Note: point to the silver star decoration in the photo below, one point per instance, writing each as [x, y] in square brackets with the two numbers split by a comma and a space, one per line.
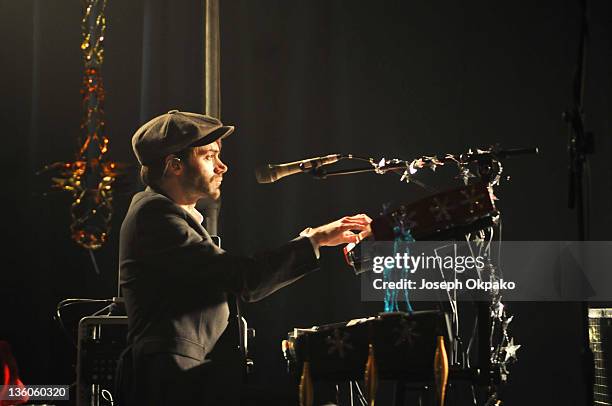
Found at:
[378, 165]
[492, 194]
[411, 170]
[380, 169]
[338, 343]
[407, 332]
[497, 310]
[511, 350]
[503, 373]
[432, 162]
[465, 174]
[507, 322]
[440, 210]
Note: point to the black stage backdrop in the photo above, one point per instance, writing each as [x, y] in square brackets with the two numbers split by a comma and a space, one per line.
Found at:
[301, 79]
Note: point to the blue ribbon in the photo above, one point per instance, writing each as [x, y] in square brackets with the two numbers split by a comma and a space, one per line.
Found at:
[391, 295]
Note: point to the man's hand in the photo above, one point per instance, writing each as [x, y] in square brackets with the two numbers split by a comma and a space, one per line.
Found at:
[340, 231]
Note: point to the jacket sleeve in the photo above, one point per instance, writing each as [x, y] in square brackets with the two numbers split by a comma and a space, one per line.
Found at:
[167, 243]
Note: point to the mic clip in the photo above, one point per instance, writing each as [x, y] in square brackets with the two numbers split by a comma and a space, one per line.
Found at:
[316, 170]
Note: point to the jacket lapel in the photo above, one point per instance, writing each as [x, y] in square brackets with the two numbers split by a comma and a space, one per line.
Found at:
[190, 220]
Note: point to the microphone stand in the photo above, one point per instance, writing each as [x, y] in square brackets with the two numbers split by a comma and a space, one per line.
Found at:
[320, 173]
[488, 168]
[581, 144]
[397, 165]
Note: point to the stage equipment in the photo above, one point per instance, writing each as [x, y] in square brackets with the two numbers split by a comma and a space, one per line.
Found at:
[448, 215]
[579, 146]
[467, 213]
[445, 215]
[90, 177]
[100, 342]
[398, 346]
[480, 163]
[600, 338]
[273, 172]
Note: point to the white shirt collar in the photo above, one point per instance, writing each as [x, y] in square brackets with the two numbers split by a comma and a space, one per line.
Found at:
[197, 216]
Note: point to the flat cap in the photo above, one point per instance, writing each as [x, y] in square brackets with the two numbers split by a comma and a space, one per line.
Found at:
[175, 131]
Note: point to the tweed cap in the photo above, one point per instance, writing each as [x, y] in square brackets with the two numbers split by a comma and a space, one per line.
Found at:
[175, 131]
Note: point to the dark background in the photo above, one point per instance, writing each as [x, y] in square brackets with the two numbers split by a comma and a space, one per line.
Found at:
[300, 79]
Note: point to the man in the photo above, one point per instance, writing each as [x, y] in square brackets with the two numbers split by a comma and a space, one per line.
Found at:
[176, 282]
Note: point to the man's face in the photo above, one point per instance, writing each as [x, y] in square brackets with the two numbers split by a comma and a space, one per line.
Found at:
[203, 172]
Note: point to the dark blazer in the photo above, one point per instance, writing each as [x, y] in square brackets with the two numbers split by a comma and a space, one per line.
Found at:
[175, 281]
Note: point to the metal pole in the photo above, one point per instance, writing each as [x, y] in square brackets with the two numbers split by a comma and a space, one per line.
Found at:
[212, 83]
[212, 92]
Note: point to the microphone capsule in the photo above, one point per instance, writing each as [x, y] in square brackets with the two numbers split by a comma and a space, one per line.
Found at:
[264, 174]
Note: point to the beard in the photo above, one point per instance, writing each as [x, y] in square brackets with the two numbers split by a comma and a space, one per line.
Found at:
[195, 183]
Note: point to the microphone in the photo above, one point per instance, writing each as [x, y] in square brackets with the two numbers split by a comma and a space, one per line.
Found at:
[273, 172]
